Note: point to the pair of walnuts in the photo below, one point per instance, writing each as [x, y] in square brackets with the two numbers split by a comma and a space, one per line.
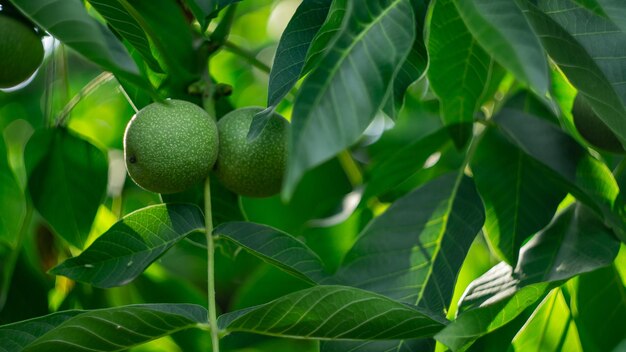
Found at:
[170, 146]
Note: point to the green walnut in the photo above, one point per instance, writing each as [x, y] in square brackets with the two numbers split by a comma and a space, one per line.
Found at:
[594, 130]
[170, 146]
[252, 169]
[21, 51]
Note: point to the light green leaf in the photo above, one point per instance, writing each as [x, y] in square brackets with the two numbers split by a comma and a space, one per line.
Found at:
[109, 329]
[413, 252]
[501, 29]
[132, 244]
[339, 99]
[551, 328]
[459, 69]
[333, 312]
[519, 194]
[591, 51]
[67, 180]
[68, 21]
[274, 247]
[576, 242]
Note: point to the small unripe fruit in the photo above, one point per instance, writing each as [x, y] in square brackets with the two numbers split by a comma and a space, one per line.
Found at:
[169, 147]
[21, 51]
[592, 128]
[253, 169]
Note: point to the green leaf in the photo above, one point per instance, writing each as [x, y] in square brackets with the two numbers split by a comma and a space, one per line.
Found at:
[205, 10]
[275, 247]
[339, 99]
[165, 24]
[404, 163]
[12, 200]
[575, 242]
[132, 244]
[591, 51]
[67, 181]
[116, 16]
[290, 55]
[413, 252]
[551, 328]
[501, 29]
[599, 300]
[69, 22]
[519, 194]
[109, 329]
[459, 70]
[585, 177]
[333, 312]
[413, 67]
[616, 11]
[336, 22]
[409, 345]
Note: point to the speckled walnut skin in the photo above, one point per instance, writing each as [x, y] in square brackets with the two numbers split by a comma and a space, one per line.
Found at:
[253, 169]
[169, 147]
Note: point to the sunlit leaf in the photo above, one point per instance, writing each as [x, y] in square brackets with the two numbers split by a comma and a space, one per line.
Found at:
[67, 180]
[275, 247]
[339, 99]
[333, 312]
[128, 247]
[109, 329]
[576, 242]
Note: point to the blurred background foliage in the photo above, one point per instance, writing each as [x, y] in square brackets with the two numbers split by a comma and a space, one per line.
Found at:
[325, 212]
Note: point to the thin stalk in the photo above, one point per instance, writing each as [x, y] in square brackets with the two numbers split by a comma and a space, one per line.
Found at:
[236, 49]
[208, 219]
[350, 168]
[84, 92]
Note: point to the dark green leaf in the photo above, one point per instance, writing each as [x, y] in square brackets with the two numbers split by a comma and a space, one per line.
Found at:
[115, 14]
[67, 180]
[276, 248]
[413, 252]
[501, 29]
[576, 242]
[205, 10]
[290, 55]
[519, 194]
[591, 51]
[68, 21]
[413, 67]
[411, 345]
[587, 178]
[333, 312]
[616, 11]
[599, 299]
[336, 21]
[12, 201]
[340, 98]
[110, 329]
[459, 70]
[128, 247]
[404, 163]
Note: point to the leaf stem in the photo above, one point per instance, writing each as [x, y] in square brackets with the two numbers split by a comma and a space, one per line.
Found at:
[84, 92]
[208, 219]
[350, 168]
